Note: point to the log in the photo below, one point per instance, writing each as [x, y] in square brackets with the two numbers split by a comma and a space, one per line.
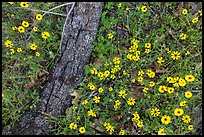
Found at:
[79, 33]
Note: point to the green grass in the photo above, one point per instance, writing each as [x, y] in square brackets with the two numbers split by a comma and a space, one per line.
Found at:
[161, 25]
[21, 82]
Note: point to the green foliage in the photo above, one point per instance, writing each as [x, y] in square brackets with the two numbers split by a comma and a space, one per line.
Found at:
[20, 83]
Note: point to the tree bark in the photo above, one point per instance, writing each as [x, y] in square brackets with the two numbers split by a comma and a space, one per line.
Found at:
[79, 33]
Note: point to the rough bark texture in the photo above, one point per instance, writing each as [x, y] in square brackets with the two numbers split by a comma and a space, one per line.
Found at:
[80, 31]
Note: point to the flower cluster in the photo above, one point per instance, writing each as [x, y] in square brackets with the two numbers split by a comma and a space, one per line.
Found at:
[108, 127]
[150, 73]
[117, 103]
[91, 86]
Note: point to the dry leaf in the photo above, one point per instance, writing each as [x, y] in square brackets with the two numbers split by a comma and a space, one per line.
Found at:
[158, 69]
[32, 82]
[76, 98]
[117, 117]
[94, 126]
[136, 91]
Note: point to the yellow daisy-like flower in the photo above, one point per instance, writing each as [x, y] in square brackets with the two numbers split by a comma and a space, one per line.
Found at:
[170, 90]
[183, 36]
[11, 3]
[96, 99]
[122, 93]
[25, 24]
[189, 78]
[24, 4]
[119, 5]
[155, 112]
[92, 87]
[152, 74]
[166, 119]
[8, 44]
[140, 124]
[82, 130]
[124, 72]
[151, 83]
[116, 60]
[39, 17]
[35, 29]
[147, 45]
[85, 102]
[175, 55]
[162, 89]
[37, 54]
[170, 79]
[145, 90]
[72, 125]
[106, 64]
[161, 131]
[21, 29]
[112, 76]
[182, 103]
[117, 103]
[182, 82]
[78, 118]
[131, 101]
[144, 8]
[140, 73]
[122, 132]
[45, 35]
[100, 90]
[107, 73]
[194, 20]
[12, 51]
[133, 80]
[178, 112]
[129, 56]
[160, 60]
[14, 28]
[2, 95]
[19, 50]
[135, 58]
[127, 9]
[33, 46]
[186, 119]
[94, 71]
[147, 51]
[187, 53]
[188, 94]
[140, 79]
[190, 127]
[100, 75]
[176, 79]
[91, 113]
[110, 89]
[200, 11]
[136, 117]
[110, 35]
[184, 11]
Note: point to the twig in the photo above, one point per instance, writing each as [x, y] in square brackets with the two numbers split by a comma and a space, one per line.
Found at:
[65, 25]
[43, 16]
[175, 38]
[41, 11]
[151, 9]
